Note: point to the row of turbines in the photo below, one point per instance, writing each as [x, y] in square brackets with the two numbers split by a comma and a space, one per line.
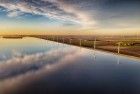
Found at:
[80, 44]
[56, 38]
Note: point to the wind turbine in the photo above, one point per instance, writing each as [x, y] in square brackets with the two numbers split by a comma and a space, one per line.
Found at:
[80, 42]
[119, 46]
[70, 41]
[95, 43]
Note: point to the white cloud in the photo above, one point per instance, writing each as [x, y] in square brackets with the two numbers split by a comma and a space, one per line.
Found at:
[14, 14]
[56, 9]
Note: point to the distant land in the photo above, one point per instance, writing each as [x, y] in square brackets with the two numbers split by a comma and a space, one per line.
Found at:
[127, 45]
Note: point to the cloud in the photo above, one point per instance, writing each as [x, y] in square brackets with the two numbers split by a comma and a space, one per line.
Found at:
[12, 14]
[86, 14]
[45, 8]
[56, 9]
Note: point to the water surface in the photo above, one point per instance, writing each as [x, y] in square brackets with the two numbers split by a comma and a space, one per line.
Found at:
[36, 66]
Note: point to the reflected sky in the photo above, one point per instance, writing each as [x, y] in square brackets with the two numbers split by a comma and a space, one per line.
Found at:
[35, 66]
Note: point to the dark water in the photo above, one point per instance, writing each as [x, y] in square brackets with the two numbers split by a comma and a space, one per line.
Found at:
[35, 66]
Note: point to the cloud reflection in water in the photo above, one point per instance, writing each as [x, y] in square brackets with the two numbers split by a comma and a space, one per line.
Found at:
[18, 72]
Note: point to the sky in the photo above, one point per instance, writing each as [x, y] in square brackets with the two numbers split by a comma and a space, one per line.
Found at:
[70, 17]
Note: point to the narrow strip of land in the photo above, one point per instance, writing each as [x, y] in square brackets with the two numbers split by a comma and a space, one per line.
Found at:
[129, 45]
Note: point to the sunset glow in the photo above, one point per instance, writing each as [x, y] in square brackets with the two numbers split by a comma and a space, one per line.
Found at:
[69, 17]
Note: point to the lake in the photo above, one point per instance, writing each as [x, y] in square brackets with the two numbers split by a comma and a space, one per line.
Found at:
[37, 66]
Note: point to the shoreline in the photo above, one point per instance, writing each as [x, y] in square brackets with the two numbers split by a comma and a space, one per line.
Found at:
[102, 50]
[92, 48]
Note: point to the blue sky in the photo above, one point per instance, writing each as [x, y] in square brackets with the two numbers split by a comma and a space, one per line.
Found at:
[81, 15]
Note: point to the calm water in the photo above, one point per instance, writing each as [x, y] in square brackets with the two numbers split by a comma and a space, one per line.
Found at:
[35, 66]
